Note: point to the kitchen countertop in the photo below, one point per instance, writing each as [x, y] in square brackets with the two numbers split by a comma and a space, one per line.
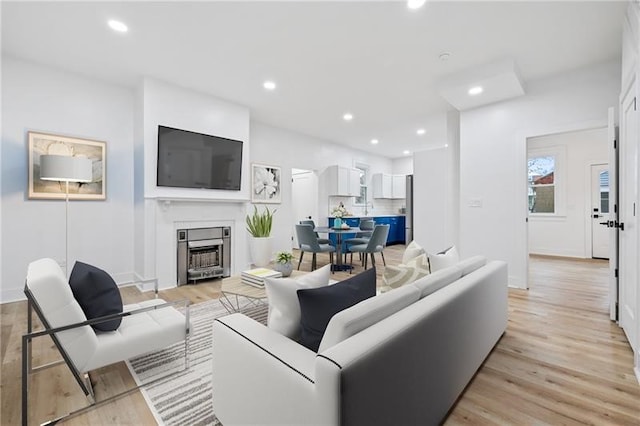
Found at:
[370, 215]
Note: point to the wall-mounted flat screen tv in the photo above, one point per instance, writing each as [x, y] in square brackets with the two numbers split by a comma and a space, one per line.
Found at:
[195, 160]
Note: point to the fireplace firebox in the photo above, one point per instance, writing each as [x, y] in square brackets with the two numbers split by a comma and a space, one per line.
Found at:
[203, 253]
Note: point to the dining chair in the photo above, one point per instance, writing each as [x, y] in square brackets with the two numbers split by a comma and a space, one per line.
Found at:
[309, 243]
[366, 226]
[375, 245]
[313, 226]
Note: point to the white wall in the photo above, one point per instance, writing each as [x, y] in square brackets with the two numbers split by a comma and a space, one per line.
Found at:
[43, 99]
[436, 191]
[289, 150]
[569, 233]
[402, 166]
[493, 157]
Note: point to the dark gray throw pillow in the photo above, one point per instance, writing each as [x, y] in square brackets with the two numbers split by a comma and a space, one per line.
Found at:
[97, 294]
[319, 305]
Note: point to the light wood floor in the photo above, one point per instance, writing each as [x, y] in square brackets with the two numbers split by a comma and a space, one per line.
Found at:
[561, 360]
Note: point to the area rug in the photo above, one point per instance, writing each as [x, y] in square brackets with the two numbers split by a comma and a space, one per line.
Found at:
[185, 398]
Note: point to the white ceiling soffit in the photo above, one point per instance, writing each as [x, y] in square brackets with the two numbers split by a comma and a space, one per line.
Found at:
[499, 81]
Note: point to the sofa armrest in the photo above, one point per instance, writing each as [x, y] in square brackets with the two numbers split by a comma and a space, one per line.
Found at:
[262, 377]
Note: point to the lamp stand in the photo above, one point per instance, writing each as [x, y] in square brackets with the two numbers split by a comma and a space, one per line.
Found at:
[66, 231]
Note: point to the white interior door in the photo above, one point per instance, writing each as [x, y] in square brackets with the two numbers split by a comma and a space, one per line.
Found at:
[613, 145]
[600, 211]
[304, 199]
[628, 191]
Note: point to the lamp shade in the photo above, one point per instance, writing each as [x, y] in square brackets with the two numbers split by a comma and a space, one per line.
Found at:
[65, 168]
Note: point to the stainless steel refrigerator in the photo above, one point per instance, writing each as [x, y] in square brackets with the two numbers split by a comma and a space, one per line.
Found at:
[408, 231]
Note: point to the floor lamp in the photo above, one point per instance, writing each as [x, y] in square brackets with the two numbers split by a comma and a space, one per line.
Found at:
[64, 168]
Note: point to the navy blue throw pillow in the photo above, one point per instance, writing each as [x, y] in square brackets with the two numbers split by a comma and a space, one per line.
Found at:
[97, 294]
[319, 305]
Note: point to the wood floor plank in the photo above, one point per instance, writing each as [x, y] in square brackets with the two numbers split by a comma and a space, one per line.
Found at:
[561, 361]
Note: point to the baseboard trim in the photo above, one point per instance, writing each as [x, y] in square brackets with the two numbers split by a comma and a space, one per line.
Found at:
[12, 295]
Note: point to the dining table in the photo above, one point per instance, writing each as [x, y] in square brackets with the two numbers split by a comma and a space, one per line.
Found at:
[338, 265]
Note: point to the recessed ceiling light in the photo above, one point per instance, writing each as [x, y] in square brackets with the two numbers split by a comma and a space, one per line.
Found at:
[446, 145]
[406, 152]
[444, 56]
[117, 26]
[374, 141]
[475, 90]
[348, 116]
[415, 4]
[269, 85]
[421, 131]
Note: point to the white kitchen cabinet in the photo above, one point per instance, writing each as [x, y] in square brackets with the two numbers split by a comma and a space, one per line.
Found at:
[388, 186]
[342, 181]
[398, 186]
[382, 185]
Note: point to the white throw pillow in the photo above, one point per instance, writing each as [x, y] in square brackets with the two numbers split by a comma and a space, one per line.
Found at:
[443, 260]
[397, 276]
[284, 307]
[412, 251]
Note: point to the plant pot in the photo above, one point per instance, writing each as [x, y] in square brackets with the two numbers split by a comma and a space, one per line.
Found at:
[285, 268]
[261, 252]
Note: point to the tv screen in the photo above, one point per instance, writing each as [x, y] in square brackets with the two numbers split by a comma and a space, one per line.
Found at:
[194, 160]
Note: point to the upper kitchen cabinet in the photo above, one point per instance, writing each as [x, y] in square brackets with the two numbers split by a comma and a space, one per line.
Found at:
[342, 181]
[388, 186]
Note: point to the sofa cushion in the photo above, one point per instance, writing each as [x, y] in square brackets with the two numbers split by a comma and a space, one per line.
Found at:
[412, 251]
[284, 308]
[97, 294]
[444, 259]
[397, 276]
[353, 320]
[471, 264]
[436, 280]
[319, 305]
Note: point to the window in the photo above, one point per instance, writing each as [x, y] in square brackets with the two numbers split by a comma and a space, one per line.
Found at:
[604, 192]
[542, 184]
[364, 174]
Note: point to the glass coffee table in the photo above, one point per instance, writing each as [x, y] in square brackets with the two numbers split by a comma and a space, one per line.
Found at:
[237, 295]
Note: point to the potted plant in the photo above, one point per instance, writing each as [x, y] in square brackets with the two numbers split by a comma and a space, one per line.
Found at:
[259, 226]
[283, 263]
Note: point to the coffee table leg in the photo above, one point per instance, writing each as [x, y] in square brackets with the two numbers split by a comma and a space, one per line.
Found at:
[232, 303]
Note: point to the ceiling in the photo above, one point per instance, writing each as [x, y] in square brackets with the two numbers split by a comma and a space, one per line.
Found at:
[377, 60]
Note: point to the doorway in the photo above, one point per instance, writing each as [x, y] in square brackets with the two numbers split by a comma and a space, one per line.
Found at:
[304, 198]
[600, 211]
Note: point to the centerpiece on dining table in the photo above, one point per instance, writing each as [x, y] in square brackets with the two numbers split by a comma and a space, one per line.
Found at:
[338, 213]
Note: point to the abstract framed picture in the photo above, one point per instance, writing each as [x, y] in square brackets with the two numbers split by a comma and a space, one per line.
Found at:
[49, 144]
[266, 184]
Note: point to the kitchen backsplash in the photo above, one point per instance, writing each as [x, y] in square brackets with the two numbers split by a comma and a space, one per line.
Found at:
[376, 207]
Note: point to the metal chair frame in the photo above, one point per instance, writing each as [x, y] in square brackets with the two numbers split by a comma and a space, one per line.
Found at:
[82, 379]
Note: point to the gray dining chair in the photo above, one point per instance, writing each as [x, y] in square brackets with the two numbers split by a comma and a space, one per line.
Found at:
[375, 245]
[309, 243]
[366, 226]
[313, 226]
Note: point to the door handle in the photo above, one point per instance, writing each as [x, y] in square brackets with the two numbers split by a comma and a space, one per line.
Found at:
[605, 223]
[595, 216]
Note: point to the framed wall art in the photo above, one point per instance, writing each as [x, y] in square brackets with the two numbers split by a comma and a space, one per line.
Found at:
[266, 184]
[49, 144]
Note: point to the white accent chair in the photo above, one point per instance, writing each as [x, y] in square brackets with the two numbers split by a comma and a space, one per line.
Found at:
[148, 326]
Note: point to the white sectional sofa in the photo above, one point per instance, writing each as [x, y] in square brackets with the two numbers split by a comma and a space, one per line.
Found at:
[402, 357]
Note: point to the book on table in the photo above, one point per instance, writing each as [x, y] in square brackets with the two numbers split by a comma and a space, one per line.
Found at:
[255, 277]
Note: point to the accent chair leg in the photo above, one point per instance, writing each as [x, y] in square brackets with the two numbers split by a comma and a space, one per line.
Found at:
[366, 258]
[313, 262]
[373, 260]
[384, 262]
[300, 261]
